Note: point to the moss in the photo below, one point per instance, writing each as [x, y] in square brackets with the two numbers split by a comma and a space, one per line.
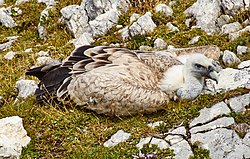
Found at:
[199, 153]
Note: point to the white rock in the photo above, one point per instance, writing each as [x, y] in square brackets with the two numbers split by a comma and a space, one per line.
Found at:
[118, 26]
[13, 137]
[43, 53]
[163, 8]
[47, 2]
[222, 143]
[156, 124]
[244, 64]
[10, 55]
[159, 44]
[26, 88]
[1, 2]
[246, 23]
[188, 22]
[239, 103]
[222, 20]
[229, 58]
[103, 22]
[6, 19]
[45, 60]
[246, 139]
[172, 3]
[21, 1]
[84, 39]
[230, 79]
[118, 137]
[235, 35]
[124, 33]
[194, 40]
[241, 49]
[172, 27]
[160, 143]
[182, 150]
[16, 10]
[231, 28]
[134, 17]
[145, 48]
[42, 32]
[205, 12]
[8, 44]
[143, 25]
[219, 123]
[176, 135]
[28, 50]
[207, 114]
[232, 7]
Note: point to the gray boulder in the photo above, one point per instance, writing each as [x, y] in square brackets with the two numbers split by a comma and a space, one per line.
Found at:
[118, 137]
[134, 17]
[163, 8]
[238, 104]
[171, 27]
[8, 44]
[194, 40]
[205, 12]
[232, 7]
[242, 49]
[25, 88]
[231, 28]
[229, 58]
[222, 20]
[10, 55]
[5, 19]
[13, 137]
[235, 35]
[159, 44]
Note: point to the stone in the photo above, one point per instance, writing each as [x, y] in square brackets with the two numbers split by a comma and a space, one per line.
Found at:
[159, 44]
[10, 55]
[219, 123]
[172, 3]
[207, 114]
[246, 139]
[28, 50]
[143, 25]
[188, 22]
[76, 19]
[182, 150]
[242, 49]
[145, 48]
[13, 137]
[222, 143]
[1, 2]
[6, 20]
[156, 124]
[118, 26]
[134, 17]
[232, 7]
[194, 40]
[104, 22]
[222, 20]
[8, 44]
[47, 2]
[118, 137]
[176, 135]
[84, 39]
[210, 51]
[16, 11]
[26, 88]
[246, 23]
[205, 18]
[238, 104]
[45, 61]
[229, 58]
[231, 28]
[235, 35]
[163, 8]
[160, 143]
[124, 33]
[244, 64]
[42, 31]
[230, 79]
[172, 27]
[18, 2]
[43, 53]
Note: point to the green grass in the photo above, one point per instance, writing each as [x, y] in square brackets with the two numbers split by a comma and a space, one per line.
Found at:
[70, 132]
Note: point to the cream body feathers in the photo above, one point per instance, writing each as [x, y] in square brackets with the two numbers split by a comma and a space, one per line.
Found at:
[117, 81]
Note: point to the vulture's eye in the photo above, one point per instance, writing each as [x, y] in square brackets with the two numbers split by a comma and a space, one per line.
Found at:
[198, 66]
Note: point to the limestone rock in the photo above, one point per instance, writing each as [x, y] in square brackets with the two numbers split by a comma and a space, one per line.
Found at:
[134, 17]
[6, 20]
[145, 48]
[45, 60]
[118, 137]
[207, 114]
[235, 35]
[222, 20]
[222, 143]
[229, 58]
[143, 25]
[84, 39]
[13, 137]
[177, 135]
[230, 28]
[156, 124]
[230, 79]
[43, 53]
[172, 27]
[42, 31]
[163, 8]
[124, 33]
[182, 150]
[194, 40]
[219, 123]
[8, 44]
[18, 2]
[10, 55]
[159, 44]
[1, 2]
[244, 64]
[242, 49]
[232, 7]
[160, 143]
[26, 88]
[47, 2]
[239, 103]
[206, 18]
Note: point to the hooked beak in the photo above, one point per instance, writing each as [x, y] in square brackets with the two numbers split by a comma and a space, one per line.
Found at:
[214, 76]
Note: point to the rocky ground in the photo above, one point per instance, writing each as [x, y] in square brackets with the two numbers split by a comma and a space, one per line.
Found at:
[37, 32]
